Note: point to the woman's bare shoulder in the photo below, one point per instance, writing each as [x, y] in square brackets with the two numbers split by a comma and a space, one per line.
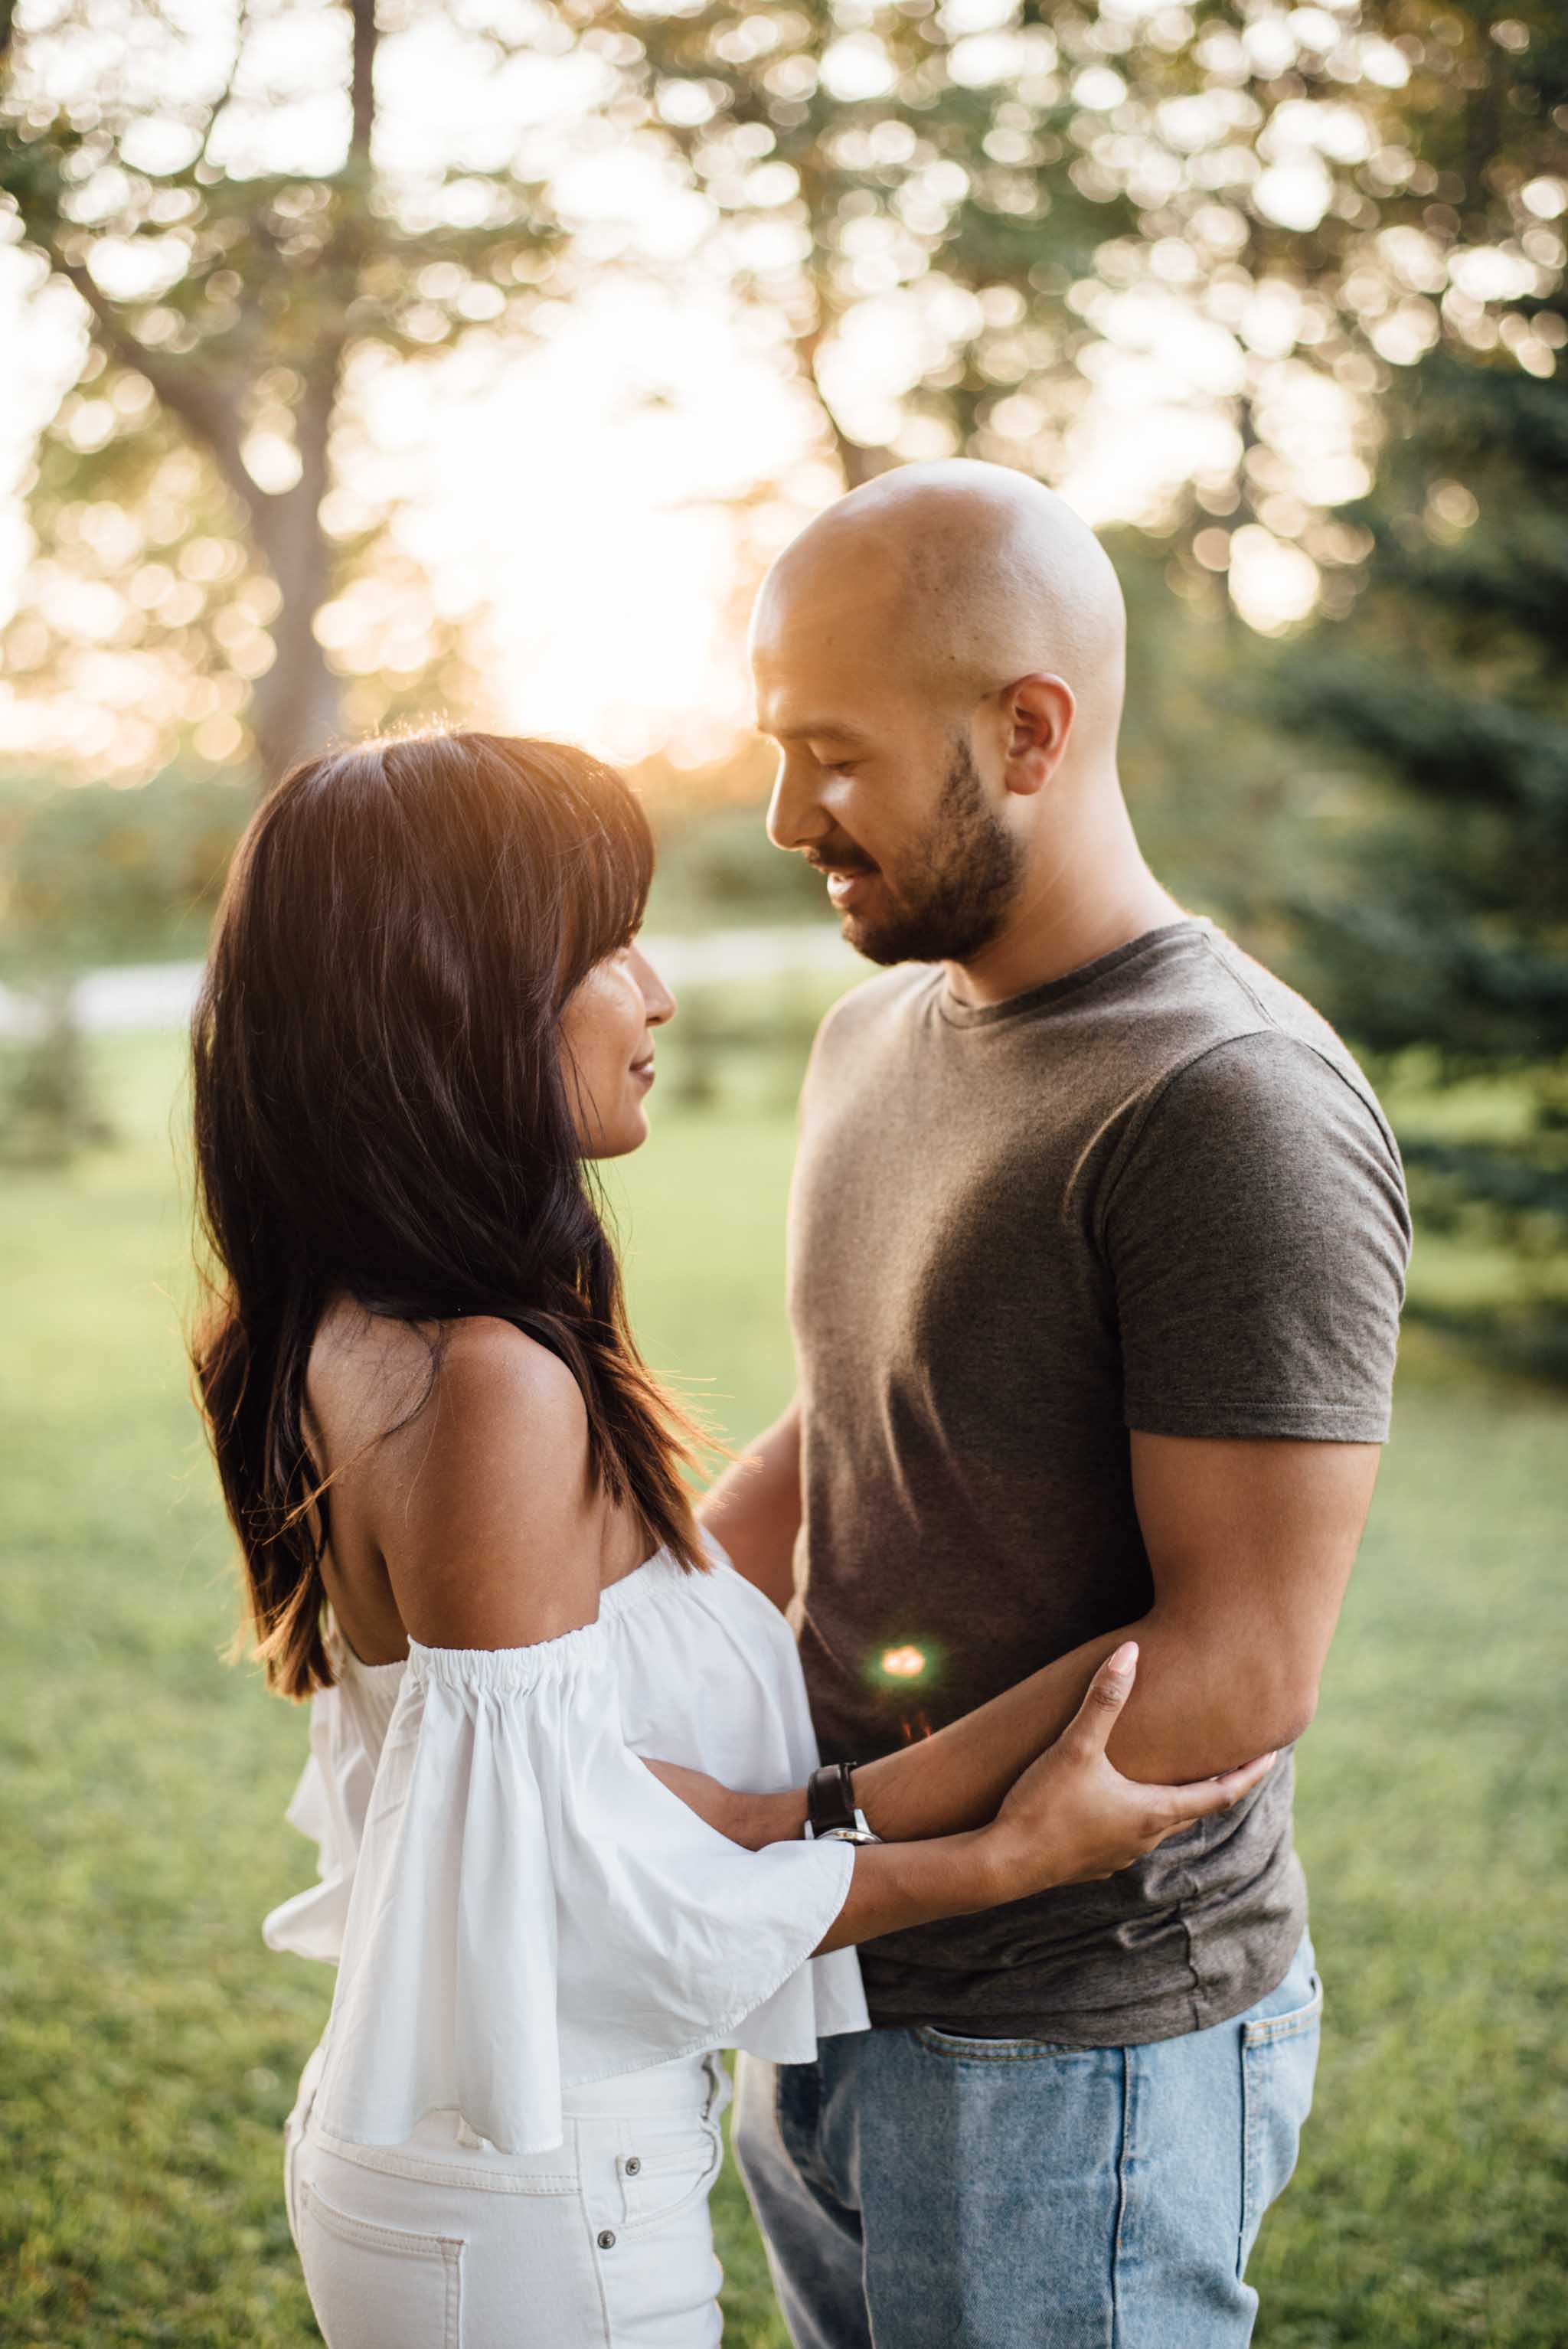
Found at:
[484, 1507]
[365, 1365]
[492, 1367]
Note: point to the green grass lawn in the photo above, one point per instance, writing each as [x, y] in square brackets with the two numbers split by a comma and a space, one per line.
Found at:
[151, 2043]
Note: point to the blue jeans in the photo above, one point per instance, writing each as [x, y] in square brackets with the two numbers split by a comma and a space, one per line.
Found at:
[917, 2190]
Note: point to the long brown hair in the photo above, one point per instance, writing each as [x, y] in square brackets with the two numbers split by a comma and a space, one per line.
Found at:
[380, 1109]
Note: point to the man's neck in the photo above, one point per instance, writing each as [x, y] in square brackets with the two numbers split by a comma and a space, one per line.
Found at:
[1102, 897]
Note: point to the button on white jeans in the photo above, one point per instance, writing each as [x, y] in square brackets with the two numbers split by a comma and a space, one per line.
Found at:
[444, 2243]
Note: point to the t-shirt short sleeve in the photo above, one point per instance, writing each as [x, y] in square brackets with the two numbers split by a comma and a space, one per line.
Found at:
[1257, 1234]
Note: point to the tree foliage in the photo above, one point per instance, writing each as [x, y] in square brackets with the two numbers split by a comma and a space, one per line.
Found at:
[198, 501]
[1442, 922]
[1434, 922]
[1002, 230]
[985, 226]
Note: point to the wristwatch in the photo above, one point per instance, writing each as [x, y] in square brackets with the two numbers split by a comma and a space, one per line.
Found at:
[833, 1815]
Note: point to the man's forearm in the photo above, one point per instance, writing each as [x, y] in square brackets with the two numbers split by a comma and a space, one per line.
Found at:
[754, 1510]
[1208, 1698]
[956, 1779]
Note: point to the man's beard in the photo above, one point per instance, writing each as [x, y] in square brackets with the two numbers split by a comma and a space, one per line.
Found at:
[970, 866]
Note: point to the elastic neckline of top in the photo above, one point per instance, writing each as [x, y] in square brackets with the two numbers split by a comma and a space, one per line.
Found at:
[519, 1667]
[353, 1666]
[1044, 997]
[361, 1671]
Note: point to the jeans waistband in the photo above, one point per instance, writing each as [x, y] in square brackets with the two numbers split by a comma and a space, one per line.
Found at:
[696, 2084]
[692, 2087]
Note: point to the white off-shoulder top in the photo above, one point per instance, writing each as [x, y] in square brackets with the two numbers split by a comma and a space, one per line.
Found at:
[517, 1905]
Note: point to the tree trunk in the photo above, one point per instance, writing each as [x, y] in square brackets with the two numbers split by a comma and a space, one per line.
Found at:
[857, 463]
[296, 709]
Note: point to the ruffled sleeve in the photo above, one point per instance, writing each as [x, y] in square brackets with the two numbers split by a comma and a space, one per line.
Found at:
[329, 1806]
[533, 1909]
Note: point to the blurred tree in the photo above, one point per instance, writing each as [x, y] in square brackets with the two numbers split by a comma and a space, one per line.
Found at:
[91, 873]
[212, 186]
[880, 191]
[1201, 243]
[1184, 252]
[1435, 917]
[87, 874]
[1443, 921]
[1217, 791]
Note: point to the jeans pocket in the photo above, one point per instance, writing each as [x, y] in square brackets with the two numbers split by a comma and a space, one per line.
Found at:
[960, 2048]
[662, 2176]
[375, 2287]
[1279, 2063]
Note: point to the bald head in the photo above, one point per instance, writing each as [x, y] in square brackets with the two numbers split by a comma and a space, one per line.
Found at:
[940, 660]
[960, 577]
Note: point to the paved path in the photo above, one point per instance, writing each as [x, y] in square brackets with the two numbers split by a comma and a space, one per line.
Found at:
[160, 995]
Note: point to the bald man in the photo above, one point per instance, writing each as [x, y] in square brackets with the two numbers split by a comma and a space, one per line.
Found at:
[1096, 1256]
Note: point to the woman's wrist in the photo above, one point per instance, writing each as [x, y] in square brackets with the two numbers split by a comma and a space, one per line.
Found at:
[1012, 1865]
[996, 1862]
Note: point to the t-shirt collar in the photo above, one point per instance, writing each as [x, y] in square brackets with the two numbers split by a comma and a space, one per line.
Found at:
[958, 1014]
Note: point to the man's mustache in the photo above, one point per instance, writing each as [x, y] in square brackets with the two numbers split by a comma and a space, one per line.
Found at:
[834, 859]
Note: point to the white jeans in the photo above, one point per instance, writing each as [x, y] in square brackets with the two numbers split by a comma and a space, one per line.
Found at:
[442, 2243]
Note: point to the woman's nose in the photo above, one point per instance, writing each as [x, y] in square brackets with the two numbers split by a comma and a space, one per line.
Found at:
[659, 1002]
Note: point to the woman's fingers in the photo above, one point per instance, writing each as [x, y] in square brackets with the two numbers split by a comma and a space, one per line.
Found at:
[1096, 1716]
[1211, 1794]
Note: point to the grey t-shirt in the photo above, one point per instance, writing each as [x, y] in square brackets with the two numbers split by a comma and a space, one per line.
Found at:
[1157, 1193]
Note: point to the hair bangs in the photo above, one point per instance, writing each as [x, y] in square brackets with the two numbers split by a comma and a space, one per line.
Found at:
[602, 840]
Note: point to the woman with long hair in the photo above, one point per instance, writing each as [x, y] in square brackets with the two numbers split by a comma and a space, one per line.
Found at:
[558, 1746]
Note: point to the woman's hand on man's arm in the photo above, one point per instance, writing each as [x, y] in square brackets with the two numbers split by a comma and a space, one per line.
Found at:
[1071, 1818]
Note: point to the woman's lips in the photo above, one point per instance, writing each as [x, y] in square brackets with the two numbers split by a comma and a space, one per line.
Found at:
[643, 1070]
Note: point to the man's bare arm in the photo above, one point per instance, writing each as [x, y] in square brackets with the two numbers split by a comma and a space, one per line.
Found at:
[754, 1510]
[1251, 1545]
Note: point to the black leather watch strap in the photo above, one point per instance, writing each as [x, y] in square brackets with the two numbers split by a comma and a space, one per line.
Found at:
[831, 1797]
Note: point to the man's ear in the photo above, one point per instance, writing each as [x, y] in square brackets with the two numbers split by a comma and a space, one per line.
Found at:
[1038, 713]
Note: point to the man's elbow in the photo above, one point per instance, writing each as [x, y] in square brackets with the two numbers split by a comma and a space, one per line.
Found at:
[1287, 1723]
[1210, 1698]
[1259, 1706]
[1270, 1710]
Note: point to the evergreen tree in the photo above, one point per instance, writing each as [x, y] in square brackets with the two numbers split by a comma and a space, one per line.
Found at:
[1443, 921]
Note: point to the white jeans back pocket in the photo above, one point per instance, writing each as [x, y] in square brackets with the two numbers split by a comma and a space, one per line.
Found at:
[376, 2287]
[1279, 2063]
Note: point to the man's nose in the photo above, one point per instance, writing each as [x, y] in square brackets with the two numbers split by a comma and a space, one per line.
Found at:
[795, 818]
